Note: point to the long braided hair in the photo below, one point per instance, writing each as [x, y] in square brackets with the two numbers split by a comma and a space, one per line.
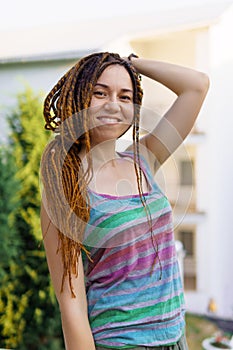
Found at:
[64, 180]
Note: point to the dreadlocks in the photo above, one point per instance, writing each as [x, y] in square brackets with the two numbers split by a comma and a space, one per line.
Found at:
[64, 180]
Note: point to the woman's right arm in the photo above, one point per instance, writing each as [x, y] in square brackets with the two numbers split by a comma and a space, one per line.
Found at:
[74, 316]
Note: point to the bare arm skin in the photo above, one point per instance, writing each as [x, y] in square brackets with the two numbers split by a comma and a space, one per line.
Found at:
[191, 87]
[75, 323]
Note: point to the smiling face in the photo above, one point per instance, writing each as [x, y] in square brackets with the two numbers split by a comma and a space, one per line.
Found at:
[111, 108]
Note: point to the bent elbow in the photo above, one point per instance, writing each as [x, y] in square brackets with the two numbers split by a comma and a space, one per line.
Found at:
[204, 83]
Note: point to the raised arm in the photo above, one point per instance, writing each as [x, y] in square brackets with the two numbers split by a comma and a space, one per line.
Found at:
[191, 87]
[75, 324]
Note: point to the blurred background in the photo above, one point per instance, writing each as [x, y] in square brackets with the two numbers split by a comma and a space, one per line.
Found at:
[40, 41]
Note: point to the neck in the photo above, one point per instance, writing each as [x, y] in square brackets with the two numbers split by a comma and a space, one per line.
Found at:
[104, 152]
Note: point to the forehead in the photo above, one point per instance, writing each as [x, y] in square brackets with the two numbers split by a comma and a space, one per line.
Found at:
[115, 74]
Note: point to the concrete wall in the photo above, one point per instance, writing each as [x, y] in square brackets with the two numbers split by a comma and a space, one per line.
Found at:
[40, 76]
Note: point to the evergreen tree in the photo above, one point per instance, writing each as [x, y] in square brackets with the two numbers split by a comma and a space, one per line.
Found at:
[10, 316]
[8, 188]
[29, 315]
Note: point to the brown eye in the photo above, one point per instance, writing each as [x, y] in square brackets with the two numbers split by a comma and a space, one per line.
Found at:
[99, 93]
[126, 97]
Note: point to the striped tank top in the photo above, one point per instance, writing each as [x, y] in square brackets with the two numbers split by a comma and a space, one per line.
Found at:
[133, 286]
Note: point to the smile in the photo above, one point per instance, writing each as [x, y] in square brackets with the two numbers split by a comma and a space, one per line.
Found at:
[109, 120]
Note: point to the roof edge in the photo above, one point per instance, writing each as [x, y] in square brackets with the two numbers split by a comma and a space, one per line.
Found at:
[46, 57]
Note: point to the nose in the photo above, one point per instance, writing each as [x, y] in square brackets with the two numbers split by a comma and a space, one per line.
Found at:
[112, 106]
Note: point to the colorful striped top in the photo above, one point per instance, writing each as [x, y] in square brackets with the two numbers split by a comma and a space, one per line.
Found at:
[134, 297]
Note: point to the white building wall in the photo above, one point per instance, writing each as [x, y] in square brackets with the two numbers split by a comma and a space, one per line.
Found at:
[197, 300]
[221, 164]
[41, 77]
[215, 170]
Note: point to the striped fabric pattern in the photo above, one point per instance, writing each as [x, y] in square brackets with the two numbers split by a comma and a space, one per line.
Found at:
[134, 297]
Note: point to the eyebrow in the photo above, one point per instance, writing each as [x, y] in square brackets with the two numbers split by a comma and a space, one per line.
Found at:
[107, 87]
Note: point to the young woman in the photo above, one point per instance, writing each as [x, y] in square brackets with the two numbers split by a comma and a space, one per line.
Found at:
[124, 290]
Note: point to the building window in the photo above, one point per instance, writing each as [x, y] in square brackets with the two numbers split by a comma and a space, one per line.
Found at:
[190, 282]
[186, 173]
[187, 237]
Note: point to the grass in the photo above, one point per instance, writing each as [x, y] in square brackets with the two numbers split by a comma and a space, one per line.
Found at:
[197, 329]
